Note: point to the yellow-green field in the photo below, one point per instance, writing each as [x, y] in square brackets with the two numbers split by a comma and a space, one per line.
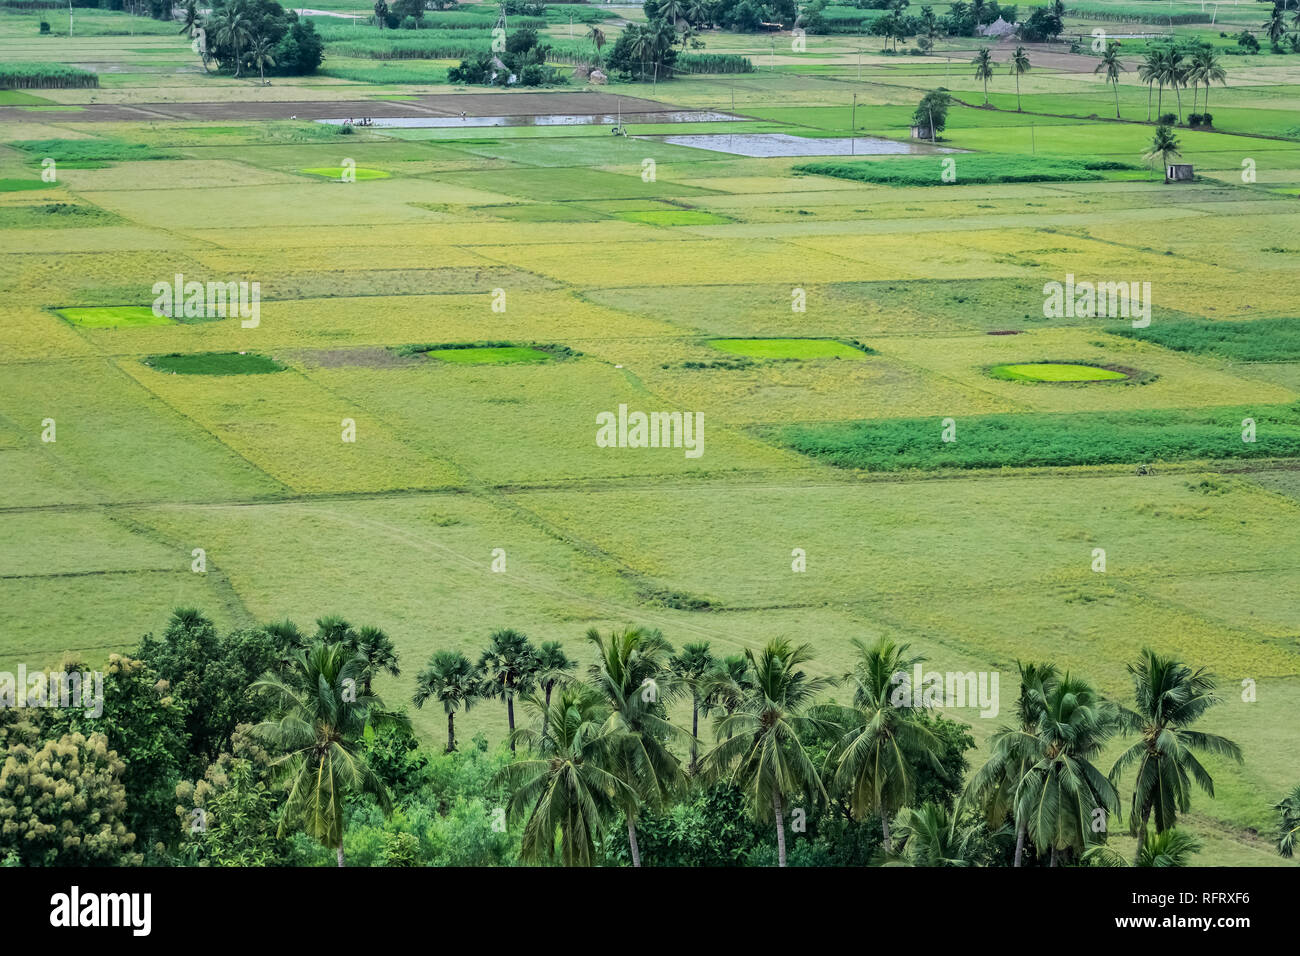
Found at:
[736, 287]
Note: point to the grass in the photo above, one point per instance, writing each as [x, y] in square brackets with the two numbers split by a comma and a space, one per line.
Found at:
[21, 185]
[88, 153]
[215, 363]
[1258, 340]
[1041, 440]
[336, 173]
[1055, 372]
[113, 316]
[790, 348]
[489, 356]
[969, 170]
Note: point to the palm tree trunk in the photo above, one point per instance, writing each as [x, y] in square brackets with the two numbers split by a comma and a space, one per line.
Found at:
[1020, 844]
[1148, 100]
[510, 718]
[780, 829]
[1142, 834]
[1116, 85]
[451, 732]
[1053, 863]
[695, 732]
[1179, 94]
[1160, 100]
[631, 842]
[884, 829]
[1018, 109]
[986, 91]
[546, 711]
[339, 851]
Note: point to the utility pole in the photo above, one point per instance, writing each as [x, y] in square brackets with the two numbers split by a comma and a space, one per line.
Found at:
[69, 19]
[853, 130]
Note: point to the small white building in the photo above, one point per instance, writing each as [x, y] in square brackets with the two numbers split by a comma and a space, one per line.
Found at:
[1179, 173]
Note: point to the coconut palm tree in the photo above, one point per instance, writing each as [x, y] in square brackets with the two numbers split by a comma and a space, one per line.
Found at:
[759, 747]
[379, 652]
[631, 675]
[1110, 62]
[318, 739]
[1149, 73]
[1163, 146]
[697, 11]
[1209, 69]
[263, 55]
[1275, 25]
[553, 668]
[726, 685]
[1062, 793]
[1171, 848]
[672, 11]
[883, 744]
[234, 30]
[563, 789]
[1019, 65]
[1013, 750]
[1176, 74]
[1169, 696]
[509, 669]
[1288, 831]
[451, 678]
[930, 835]
[692, 668]
[597, 37]
[984, 70]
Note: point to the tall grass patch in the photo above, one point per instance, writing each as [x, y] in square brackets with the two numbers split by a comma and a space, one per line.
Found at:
[1257, 340]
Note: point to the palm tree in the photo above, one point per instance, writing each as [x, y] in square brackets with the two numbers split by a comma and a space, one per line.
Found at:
[288, 641]
[1172, 848]
[263, 54]
[1019, 64]
[930, 835]
[1275, 25]
[726, 685]
[1062, 790]
[1176, 75]
[877, 758]
[632, 677]
[1013, 750]
[1148, 73]
[597, 37]
[1209, 69]
[319, 740]
[671, 11]
[692, 668]
[379, 652]
[1170, 696]
[1163, 145]
[759, 748]
[509, 668]
[984, 70]
[640, 44]
[451, 678]
[1288, 831]
[553, 668]
[1110, 62]
[697, 11]
[234, 29]
[564, 789]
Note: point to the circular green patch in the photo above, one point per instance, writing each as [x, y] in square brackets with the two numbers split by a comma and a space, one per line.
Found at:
[336, 173]
[1057, 372]
[215, 363]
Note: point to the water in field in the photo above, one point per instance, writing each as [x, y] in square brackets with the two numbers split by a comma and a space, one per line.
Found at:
[545, 119]
[783, 144]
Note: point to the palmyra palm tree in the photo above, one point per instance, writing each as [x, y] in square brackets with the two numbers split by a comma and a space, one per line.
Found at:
[319, 740]
[376, 648]
[1171, 848]
[553, 668]
[1062, 793]
[451, 678]
[876, 759]
[1149, 73]
[984, 70]
[1013, 750]
[1170, 696]
[563, 788]
[1288, 831]
[692, 668]
[263, 55]
[509, 668]
[1110, 62]
[1164, 145]
[759, 746]
[1019, 65]
[631, 675]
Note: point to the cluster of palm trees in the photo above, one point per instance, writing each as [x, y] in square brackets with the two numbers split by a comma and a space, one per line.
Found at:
[983, 64]
[1275, 26]
[1170, 65]
[605, 747]
[230, 26]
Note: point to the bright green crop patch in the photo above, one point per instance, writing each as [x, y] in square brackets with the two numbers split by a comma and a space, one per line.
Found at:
[790, 348]
[336, 172]
[18, 185]
[215, 363]
[490, 355]
[113, 316]
[1258, 340]
[968, 170]
[88, 153]
[1040, 440]
[1055, 372]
